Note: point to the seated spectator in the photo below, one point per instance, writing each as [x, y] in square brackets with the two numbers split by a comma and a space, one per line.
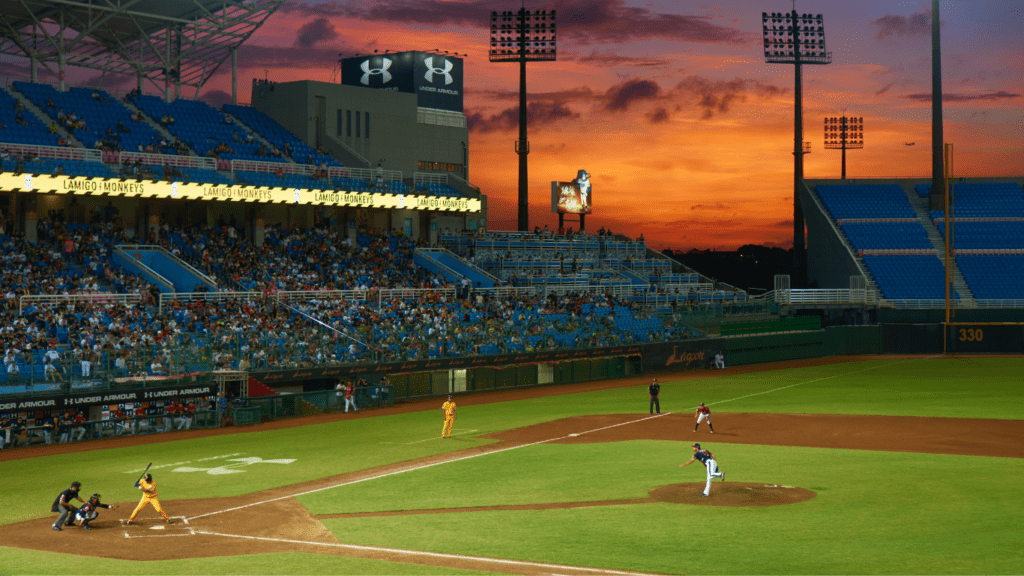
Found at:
[51, 373]
[96, 96]
[136, 116]
[59, 170]
[49, 103]
[21, 119]
[157, 368]
[121, 127]
[52, 128]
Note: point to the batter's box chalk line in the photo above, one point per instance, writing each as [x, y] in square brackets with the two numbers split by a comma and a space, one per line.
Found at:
[179, 528]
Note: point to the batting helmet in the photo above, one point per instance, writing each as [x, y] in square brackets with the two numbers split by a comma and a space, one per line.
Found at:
[95, 497]
[149, 477]
[695, 445]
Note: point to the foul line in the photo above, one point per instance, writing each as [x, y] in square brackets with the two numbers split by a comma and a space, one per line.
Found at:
[421, 553]
[823, 379]
[421, 467]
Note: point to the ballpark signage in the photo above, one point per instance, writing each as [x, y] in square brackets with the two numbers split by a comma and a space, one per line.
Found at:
[106, 397]
[687, 355]
[44, 183]
[435, 79]
[572, 197]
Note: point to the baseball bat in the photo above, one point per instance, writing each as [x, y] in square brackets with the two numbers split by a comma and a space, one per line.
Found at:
[144, 472]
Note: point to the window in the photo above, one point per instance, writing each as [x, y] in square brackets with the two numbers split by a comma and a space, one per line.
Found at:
[357, 124]
[348, 123]
[339, 131]
[366, 125]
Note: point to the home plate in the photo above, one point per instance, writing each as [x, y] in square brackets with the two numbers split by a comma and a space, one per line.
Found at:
[157, 527]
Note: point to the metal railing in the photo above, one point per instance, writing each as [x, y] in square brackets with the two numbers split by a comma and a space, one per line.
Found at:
[163, 160]
[89, 298]
[822, 296]
[52, 152]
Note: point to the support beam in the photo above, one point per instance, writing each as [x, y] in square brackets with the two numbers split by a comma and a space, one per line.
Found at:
[234, 76]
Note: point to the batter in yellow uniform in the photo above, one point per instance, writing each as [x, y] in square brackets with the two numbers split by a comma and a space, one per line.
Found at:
[448, 409]
[148, 487]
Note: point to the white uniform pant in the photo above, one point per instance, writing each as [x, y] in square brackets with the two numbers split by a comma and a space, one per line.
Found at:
[184, 423]
[702, 417]
[351, 401]
[713, 472]
[81, 432]
[82, 517]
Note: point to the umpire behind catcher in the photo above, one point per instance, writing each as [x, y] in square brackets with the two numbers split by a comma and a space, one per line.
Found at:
[63, 505]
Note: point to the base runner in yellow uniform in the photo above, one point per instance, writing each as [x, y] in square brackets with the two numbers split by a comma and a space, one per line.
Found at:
[448, 409]
[148, 487]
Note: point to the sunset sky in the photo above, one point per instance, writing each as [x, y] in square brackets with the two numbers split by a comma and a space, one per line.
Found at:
[687, 133]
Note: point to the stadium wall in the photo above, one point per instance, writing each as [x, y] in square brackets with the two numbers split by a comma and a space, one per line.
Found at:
[396, 139]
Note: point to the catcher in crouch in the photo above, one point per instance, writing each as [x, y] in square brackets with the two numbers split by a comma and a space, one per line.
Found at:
[148, 487]
[87, 513]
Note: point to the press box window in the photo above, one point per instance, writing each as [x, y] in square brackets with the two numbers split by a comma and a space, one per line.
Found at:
[366, 124]
[357, 124]
[348, 123]
[340, 129]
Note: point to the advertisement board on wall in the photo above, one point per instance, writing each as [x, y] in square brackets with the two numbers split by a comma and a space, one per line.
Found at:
[114, 187]
[436, 79]
[573, 197]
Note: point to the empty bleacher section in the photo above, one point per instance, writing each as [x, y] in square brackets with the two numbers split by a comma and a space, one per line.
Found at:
[988, 232]
[278, 136]
[884, 231]
[204, 129]
[106, 120]
[21, 126]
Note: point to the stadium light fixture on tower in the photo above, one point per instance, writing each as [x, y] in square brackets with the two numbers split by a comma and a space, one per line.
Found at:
[792, 38]
[523, 36]
[842, 133]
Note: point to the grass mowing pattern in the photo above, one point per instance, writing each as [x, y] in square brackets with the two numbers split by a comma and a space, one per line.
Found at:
[876, 512]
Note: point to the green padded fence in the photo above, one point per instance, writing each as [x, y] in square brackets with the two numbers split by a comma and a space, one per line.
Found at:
[790, 324]
[247, 416]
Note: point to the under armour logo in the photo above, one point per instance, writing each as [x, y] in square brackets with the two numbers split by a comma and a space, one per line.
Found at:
[174, 190]
[385, 76]
[28, 183]
[431, 70]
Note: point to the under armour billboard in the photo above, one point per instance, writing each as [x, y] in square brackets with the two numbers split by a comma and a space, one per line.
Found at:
[572, 197]
[436, 80]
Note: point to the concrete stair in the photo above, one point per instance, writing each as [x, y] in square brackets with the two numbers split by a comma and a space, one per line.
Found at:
[256, 135]
[920, 206]
[43, 116]
[156, 126]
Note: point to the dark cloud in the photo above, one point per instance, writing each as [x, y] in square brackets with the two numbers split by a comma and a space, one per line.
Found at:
[538, 114]
[718, 96]
[581, 21]
[618, 98]
[314, 32]
[717, 206]
[580, 93]
[884, 89]
[918, 23]
[947, 97]
[658, 116]
[607, 59]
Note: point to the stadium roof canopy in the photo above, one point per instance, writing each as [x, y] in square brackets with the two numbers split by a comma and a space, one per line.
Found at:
[173, 40]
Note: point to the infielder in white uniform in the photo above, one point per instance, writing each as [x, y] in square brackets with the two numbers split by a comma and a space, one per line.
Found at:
[708, 460]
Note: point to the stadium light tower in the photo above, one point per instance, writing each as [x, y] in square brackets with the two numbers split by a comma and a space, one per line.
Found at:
[523, 36]
[842, 133]
[797, 39]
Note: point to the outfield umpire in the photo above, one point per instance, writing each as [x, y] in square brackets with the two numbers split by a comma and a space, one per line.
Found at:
[654, 389]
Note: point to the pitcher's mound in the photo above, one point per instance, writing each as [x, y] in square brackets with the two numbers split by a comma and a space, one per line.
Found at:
[732, 494]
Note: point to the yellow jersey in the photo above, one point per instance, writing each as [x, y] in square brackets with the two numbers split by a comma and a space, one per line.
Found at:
[449, 409]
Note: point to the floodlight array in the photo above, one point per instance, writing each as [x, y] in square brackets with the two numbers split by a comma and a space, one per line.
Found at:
[788, 36]
[532, 32]
[843, 132]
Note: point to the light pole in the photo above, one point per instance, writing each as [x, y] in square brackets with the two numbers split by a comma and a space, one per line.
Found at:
[791, 38]
[842, 133]
[523, 36]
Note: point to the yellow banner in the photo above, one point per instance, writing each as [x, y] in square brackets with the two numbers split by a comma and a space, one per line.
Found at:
[196, 191]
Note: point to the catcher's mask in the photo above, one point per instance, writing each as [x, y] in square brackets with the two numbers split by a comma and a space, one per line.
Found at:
[95, 497]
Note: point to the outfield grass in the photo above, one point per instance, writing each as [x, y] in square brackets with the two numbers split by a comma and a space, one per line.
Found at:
[876, 512]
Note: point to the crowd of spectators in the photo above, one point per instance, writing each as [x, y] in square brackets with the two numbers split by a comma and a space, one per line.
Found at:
[399, 311]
